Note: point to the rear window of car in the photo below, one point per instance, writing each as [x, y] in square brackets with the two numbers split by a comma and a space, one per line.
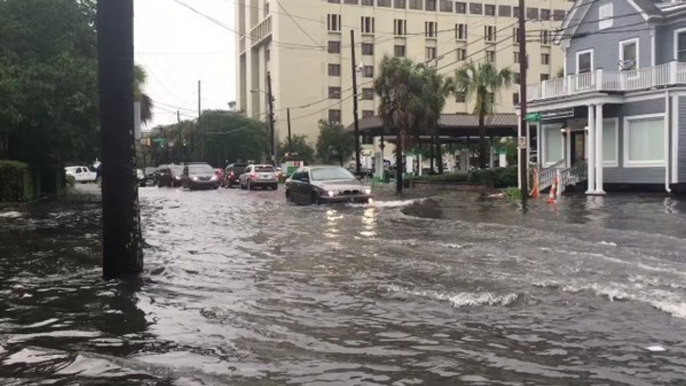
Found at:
[200, 169]
[264, 169]
[238, 169]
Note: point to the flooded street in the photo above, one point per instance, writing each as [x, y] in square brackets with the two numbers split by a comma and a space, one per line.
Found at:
[242, 289]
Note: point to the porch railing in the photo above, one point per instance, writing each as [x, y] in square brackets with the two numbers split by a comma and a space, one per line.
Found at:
[547, 176]
[574, 175]
[600, 80]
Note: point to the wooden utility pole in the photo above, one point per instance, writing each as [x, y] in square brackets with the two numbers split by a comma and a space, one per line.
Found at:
[358, 165]
[271, 116]
[121, 231]
[290, 139]
[523, 124]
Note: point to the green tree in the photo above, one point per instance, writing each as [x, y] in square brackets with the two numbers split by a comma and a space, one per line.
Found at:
[434, 91]
[140, 78]
[399, 87]
[300, 146]
[334, 144]
[48, 81]
[482, 81]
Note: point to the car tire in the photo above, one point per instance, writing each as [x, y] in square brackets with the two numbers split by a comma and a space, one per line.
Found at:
[275, 187]
[314, 199]
[289, 198]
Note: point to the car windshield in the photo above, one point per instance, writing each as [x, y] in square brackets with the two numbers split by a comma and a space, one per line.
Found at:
[264, 169]
[331, 174]
[200, 169]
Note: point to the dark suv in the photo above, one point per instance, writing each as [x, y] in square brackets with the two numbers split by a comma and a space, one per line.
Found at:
[231, 174]
[169, 175]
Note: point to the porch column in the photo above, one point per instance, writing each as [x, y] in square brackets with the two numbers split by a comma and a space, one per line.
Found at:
[599, 150]
[590, 149]
[519, 153]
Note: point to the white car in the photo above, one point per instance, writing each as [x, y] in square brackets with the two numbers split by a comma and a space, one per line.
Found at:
[259, 176]
[80, 173]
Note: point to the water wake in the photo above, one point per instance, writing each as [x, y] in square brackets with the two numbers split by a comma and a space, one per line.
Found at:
[457, 300]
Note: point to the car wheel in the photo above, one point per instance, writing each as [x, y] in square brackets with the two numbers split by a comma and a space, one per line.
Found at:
[314, 199]
[288, 196]
[275, 187]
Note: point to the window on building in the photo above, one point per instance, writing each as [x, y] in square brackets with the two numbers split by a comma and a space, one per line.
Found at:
[532, 13]
[399, 4]
[400, 27]
[545, 37]
[489, 33]
[334, 47]
[461, 31]
[460, 7]
[584, 62]
[504, 11]
[430, 29]
[367, 49]
[545, 59]
[368, 71]
[559, 14]
[552, 138]
[460, 97]
[476, 9]
[516, 78]
[629, 55]
[267, 55]
[430, 5]
[334, 69]
[545, 14]
[515, 98]
[352, 2]
[332, 1]
[383, 3]
[610, 142]
[335, 116]
[367, 94]
[681, 47]
[333, 22]
[334, 93]
[368, 3]
[644, 141]
[430, 53]
[367, 113]
[490, 56]
[399, 51]
[545, 77]
[367, 24]
[489, 10]
[515, 11]
[515, 35]
[516, 57]
[605, 16]
[446, 6]
[461, 54]
[416, 4]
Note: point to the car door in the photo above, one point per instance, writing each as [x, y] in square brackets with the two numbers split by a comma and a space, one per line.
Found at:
[246, 174]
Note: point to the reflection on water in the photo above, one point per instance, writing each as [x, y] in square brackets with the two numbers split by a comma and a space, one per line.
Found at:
[243, 289]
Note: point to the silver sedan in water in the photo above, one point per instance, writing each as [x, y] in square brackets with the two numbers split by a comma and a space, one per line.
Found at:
[326, 184]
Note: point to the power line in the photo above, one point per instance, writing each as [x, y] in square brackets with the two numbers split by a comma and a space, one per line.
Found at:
[296, 23]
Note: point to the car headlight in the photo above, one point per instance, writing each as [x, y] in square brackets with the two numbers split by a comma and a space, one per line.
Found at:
[214, 178]
[178, 177]
[331, 193]
[195, 178]
[367, 191]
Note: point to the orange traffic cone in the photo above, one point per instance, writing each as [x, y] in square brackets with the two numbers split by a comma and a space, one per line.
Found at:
[553, 190]
[536, 193]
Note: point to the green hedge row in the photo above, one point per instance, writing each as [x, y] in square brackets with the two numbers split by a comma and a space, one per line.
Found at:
[16, 183]
[451, 177]
[496, 177]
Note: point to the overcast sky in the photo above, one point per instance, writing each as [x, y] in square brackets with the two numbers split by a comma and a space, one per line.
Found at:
[178, 47]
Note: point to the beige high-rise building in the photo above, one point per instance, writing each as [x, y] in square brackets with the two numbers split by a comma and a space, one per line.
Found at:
[304, 45]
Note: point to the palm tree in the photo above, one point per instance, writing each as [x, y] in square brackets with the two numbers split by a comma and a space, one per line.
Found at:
[398, 86]
[482, 81]
[140, 77]
[435, 90]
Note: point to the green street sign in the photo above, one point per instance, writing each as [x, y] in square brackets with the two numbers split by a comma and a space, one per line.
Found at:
[159, 140]
[533, 117]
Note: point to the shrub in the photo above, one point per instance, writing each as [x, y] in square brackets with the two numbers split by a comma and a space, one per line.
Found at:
[451, 177]
[496, 177]
[16, 184]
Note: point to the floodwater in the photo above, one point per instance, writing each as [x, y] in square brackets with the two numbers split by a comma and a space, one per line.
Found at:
[242, 289]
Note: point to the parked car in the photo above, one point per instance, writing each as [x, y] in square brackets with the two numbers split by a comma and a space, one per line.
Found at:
[263, 176]
[169, 175]
[326, 184]
[81, 173]
[150, 175]
[199, 176]
[232, 173]
[140, 176]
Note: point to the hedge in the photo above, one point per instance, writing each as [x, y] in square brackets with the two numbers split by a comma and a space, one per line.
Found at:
[450, 177]
[496, 177]
[16, 183]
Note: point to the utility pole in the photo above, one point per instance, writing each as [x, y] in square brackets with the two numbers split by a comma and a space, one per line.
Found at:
[178, 116]
[271, 115]
[201, 129]
[290, 139]
[121, 222]
[358, 166]
[523, 124]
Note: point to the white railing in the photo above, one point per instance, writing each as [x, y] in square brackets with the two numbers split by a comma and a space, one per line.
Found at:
[672, 73]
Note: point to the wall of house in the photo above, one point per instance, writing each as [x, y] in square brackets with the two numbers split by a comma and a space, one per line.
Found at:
[664, 49]
[682, 141]
[606, 45]
[622, 175]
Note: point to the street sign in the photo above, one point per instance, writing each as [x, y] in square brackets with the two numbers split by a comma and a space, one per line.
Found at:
[522, 142]
[159, 140]
[533, 117]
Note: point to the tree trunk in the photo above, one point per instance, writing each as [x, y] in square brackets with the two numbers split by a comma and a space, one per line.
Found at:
[433, 143]
[122, 241]
[482, 140]
[399, 163]
[439, 151]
